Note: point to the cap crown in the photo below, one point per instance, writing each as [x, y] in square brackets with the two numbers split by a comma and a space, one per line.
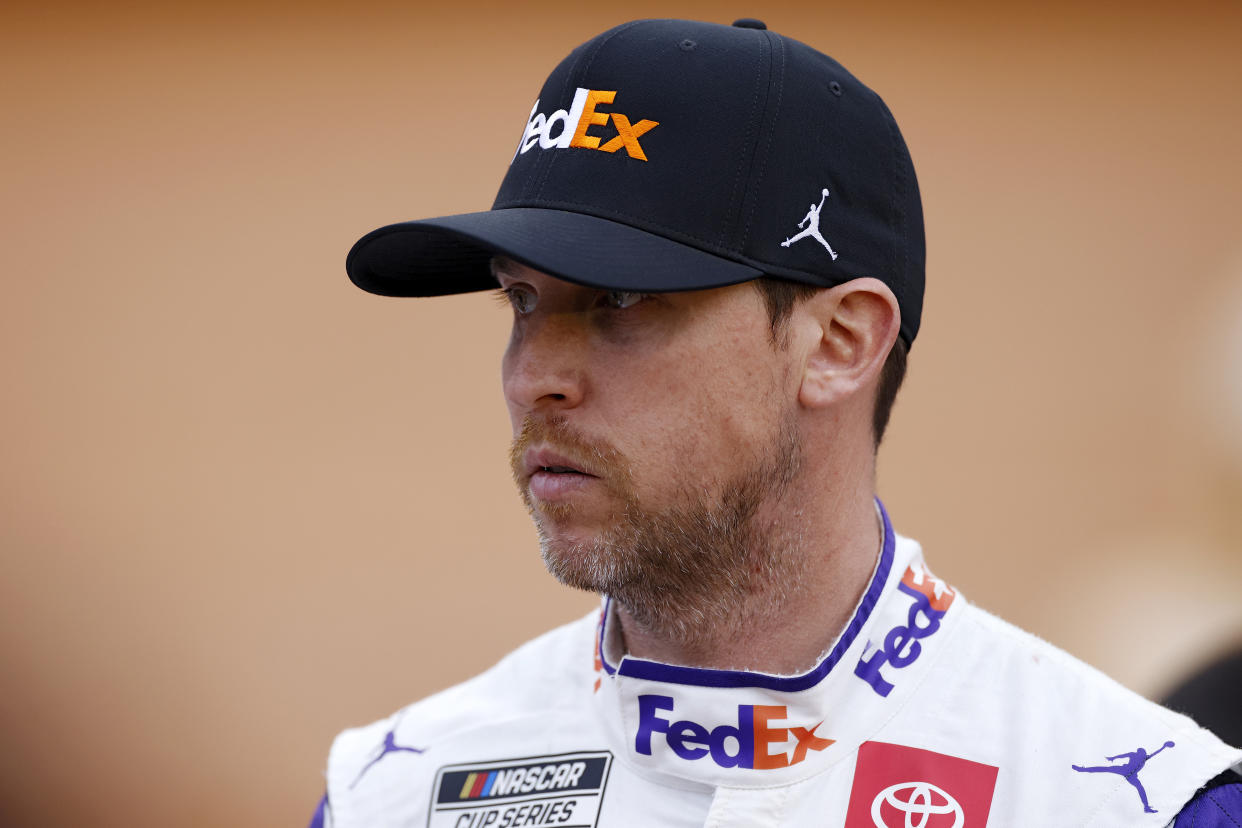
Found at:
[736, 141]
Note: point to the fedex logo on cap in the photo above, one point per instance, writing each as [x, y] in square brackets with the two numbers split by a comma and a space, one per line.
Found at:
[572, 128]
[748, 744]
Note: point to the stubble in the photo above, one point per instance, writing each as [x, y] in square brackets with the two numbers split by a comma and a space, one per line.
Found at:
[692, 571]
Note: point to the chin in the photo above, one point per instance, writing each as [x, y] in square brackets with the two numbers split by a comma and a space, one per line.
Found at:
[570, 538]
[582, 560]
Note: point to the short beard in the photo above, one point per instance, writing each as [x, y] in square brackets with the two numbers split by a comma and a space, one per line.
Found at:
[691, 572]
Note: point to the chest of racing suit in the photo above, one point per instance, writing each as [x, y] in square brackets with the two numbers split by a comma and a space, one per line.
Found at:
[927, 711]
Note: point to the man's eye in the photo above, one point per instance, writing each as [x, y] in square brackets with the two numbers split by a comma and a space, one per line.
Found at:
[621, 299]
[521, 299]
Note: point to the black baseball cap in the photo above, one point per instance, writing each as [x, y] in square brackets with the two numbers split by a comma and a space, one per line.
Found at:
[668, 155]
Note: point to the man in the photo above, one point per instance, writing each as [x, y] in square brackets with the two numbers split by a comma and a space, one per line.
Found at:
[697, 391]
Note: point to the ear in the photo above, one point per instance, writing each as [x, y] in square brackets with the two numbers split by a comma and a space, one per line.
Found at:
[853, 327]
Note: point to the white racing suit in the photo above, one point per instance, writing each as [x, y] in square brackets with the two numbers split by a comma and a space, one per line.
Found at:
[927, 712]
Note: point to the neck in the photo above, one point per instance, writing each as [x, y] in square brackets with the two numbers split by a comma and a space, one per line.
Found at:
[806, 567]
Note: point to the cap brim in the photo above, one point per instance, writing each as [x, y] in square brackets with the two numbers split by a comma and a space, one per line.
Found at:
[450, 254]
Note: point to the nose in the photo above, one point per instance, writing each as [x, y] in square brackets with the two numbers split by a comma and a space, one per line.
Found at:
[544, 365]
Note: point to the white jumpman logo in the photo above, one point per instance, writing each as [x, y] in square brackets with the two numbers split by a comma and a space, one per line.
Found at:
[811, 222]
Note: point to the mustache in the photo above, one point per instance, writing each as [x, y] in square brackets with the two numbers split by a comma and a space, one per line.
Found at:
[596, 453]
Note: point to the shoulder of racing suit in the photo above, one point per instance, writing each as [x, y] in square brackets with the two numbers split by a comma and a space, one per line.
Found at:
[515, 699]
[1051, 716]
[1218, 804]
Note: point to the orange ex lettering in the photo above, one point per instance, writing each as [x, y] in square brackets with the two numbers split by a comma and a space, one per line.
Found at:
[765, 736]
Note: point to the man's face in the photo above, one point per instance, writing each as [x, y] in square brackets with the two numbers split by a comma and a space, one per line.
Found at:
[650, 431]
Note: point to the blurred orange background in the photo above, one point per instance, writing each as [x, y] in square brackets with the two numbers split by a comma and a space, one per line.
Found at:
[244, 505]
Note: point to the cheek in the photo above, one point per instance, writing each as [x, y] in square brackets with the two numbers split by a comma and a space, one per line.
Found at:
[735, 386]
[515, 414]
[689, 420]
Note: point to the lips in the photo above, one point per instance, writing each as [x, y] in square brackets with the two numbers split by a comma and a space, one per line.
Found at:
[552, 476]
[548, 461]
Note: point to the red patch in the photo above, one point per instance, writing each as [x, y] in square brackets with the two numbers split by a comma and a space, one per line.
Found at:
[896, 786]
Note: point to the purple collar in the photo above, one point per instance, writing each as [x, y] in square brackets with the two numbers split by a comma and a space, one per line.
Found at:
[702, 677]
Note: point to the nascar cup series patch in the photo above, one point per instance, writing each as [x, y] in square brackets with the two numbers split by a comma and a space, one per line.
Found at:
[562, 790]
